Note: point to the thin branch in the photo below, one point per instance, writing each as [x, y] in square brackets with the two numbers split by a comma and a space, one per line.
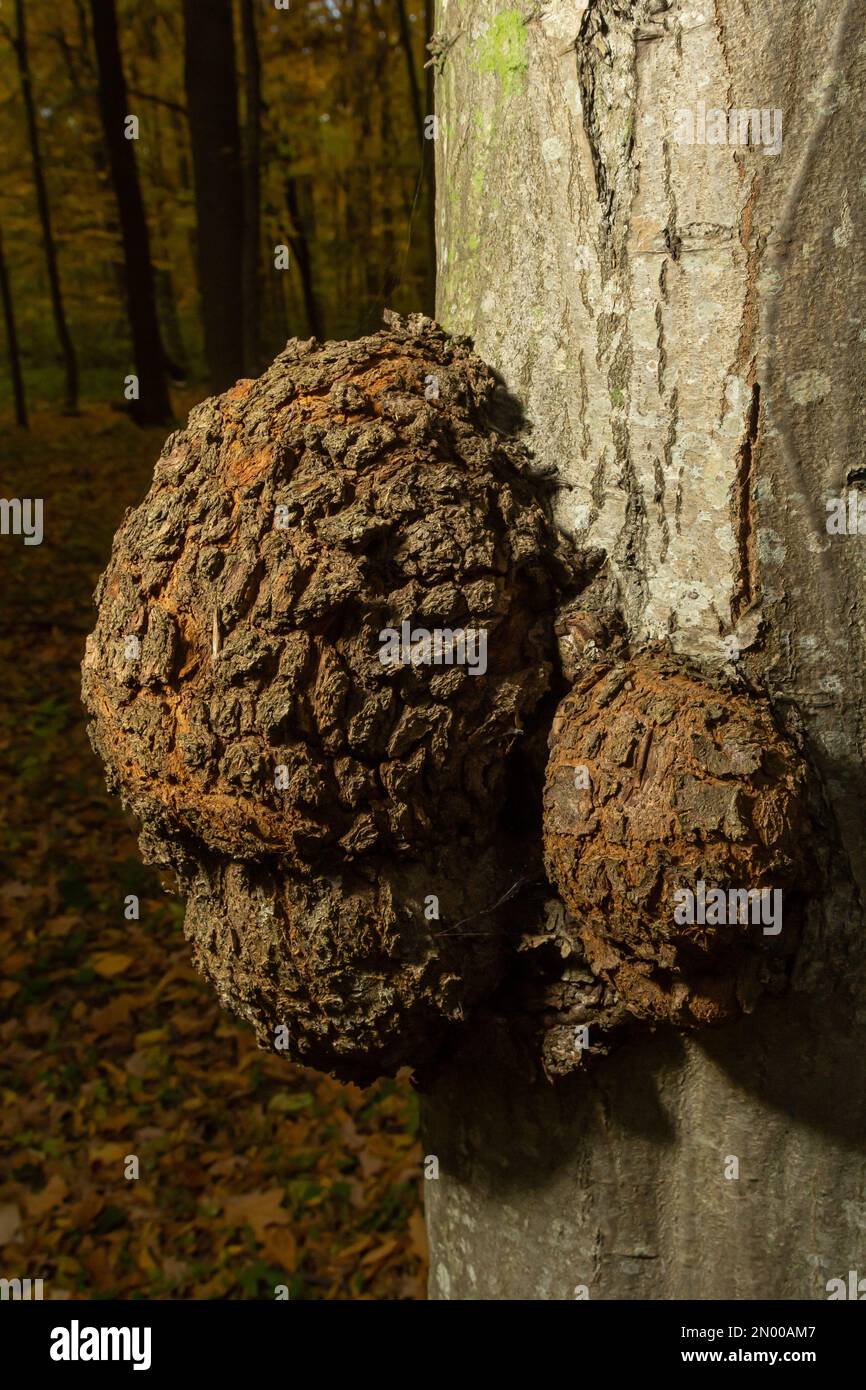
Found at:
[158, 101]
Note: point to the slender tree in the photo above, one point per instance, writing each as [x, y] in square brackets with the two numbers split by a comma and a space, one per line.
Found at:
[212, 108]
[425, 146]
[300, 246]
[153, 405]
[390, 259]
[252, 141]
[405, 32]
[70, 363]
[12, 341]
[430, 163]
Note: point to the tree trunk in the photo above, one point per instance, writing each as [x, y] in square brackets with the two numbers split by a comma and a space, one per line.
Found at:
[70, 364]
[300, 246]
[211, 97]
[252, 236]
[430, 159]
[405, 34]
[684, 325]
[12, 342]
[426, 146]
[153, 406]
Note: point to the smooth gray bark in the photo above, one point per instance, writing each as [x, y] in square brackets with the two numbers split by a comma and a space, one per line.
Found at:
[685, 325]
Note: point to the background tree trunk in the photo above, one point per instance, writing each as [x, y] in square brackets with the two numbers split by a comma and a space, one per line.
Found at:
[70, 363]
[252, 235]
[430, 154]
[405, 33]
[153, 406]
[300, 247]
[12, 342]
[212, 108]
[685, 327]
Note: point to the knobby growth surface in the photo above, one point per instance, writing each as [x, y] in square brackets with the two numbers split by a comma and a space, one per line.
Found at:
[333, 818]
[323, 671]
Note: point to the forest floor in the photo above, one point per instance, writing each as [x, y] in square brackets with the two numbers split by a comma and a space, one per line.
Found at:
[252, 1172]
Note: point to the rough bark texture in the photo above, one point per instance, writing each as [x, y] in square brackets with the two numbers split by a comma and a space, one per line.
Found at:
[684, 325]
[335, 819]
[659, 780]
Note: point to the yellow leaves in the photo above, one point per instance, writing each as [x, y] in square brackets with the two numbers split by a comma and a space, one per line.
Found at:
[10, 1223]
[380, 1254]
[14, 889]
[144, 1257]
[248, 1163]
[108, 1153]
[38, 1204]
[114, 1014]
[117, 1076]
[82, 1214]
[281, 1248]
[110, 963]
[350, 1252]
[152, 1035]
[258, 1210]
[63, 924]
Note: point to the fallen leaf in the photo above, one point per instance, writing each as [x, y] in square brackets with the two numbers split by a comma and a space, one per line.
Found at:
[258, 1210]
[13, 888]
[10, 1223]
[381, 1252]
[84, 1212]
[110, 963]
[281, 1247]
[107, 1153]
[115, 1013]
[52, 1194]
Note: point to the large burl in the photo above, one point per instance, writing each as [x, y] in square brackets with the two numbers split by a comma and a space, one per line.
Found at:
[335, 819]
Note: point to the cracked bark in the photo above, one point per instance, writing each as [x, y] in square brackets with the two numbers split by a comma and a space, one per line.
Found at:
[684, 327]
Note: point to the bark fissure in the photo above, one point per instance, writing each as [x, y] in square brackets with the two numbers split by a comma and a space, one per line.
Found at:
[745, 585]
